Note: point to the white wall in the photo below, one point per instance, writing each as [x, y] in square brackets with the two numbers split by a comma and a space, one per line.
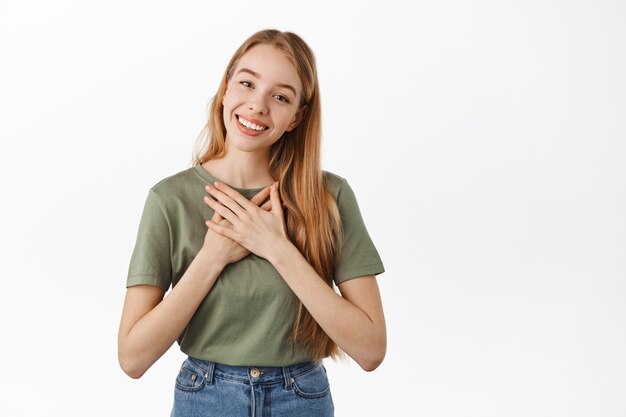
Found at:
[484, 140]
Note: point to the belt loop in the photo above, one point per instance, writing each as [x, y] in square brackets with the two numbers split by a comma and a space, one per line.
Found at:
[208, 375]
[287, 375]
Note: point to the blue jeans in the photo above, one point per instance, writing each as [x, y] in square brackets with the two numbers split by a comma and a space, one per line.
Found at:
[205, 388]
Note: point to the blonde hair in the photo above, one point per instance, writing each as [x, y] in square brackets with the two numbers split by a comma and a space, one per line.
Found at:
[312, 217]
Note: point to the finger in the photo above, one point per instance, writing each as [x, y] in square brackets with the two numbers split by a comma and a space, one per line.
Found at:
[216, 216]
[267, 206]
[234, 195]
[226, 223]
[229, 202]
[223, 211]
[260, 196]
[223, 230]
[275, 199]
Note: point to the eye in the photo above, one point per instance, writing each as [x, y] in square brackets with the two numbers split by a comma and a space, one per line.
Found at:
[281, 97]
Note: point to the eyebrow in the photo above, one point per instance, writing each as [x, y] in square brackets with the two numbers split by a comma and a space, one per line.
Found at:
[257, 75]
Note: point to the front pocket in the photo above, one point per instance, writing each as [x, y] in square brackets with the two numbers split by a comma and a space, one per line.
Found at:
[312, 384]
[190, 377]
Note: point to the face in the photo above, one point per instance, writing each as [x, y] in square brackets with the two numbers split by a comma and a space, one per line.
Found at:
[264, 90]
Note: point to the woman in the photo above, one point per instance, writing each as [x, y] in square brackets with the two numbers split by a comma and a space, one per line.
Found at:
[252, 302]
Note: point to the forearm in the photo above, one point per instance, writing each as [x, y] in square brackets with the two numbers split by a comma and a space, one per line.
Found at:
[355, 332]
[155, 332]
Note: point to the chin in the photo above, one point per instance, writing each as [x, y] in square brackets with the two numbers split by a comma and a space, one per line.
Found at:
[247, 145]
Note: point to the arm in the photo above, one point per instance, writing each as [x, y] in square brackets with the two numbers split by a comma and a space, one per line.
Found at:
[361, 332]
[150, 324]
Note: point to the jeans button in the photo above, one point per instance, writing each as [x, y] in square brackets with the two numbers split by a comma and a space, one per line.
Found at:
[254, 373]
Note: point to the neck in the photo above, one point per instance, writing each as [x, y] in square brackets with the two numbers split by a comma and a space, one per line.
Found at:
[241, 169]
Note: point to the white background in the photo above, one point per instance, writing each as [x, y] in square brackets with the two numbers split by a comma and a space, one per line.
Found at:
[485, 142]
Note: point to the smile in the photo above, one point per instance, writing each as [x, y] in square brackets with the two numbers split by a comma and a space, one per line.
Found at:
[250, 125]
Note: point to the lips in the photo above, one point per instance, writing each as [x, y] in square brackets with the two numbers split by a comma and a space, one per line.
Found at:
[249, 132]
[256, 122]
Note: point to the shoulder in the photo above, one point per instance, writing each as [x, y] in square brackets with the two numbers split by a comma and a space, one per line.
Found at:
[174, 186]
[173, 181]
[343, 193]
[334, 183]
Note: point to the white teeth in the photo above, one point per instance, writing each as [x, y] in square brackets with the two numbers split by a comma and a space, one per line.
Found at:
[250, 125]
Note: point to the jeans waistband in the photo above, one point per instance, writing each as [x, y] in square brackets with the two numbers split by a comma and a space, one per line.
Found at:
[253, 374]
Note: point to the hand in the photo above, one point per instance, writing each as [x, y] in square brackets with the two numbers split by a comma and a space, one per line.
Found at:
[259, 231]
[224, 249]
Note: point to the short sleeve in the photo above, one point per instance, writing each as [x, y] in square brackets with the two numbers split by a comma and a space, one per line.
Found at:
[150, 262]
[358, 254]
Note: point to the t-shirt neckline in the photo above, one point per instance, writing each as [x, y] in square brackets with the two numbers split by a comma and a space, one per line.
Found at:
[205, 175]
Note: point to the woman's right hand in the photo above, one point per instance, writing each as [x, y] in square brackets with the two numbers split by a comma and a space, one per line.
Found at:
[224, 249]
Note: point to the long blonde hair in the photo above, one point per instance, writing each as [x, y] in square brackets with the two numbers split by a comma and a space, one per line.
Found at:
[312, 217]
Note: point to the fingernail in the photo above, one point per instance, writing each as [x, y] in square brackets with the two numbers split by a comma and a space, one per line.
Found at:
[217, 183]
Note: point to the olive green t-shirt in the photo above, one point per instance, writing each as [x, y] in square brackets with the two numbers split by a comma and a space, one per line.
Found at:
[246, 317]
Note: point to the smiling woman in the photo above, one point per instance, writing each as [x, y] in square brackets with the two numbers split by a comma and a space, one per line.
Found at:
[252, 301]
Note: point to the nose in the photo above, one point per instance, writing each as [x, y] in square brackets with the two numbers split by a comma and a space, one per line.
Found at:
[257, 104]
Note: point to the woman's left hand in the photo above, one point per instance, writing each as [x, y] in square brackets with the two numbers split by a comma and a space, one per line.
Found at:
[260, 231]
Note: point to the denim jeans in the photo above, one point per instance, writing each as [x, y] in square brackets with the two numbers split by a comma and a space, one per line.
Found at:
[205, 388]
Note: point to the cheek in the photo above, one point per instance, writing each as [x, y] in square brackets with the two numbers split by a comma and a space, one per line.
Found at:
[226, 100]
[282, 114]
[230, 96]
[227, 104]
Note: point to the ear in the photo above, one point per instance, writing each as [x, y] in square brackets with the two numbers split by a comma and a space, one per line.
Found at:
[297, 118]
